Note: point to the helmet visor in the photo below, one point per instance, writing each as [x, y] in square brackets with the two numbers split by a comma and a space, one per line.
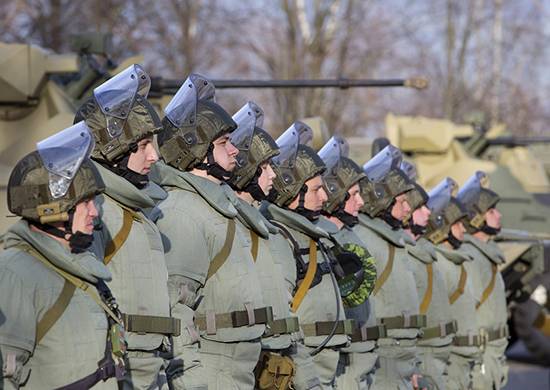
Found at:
[440, 195]
[378, 167]
[62, 155]
[470, 191]
[247, 118]
[297, 133]
[409, 169]
[333, 151]
[182, 109]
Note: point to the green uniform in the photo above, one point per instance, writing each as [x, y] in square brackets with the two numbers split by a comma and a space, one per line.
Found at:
[195, 223]
[358, 361]
[491, 311]
[274, 262]
[434, 347]
[73, 346]
[465, 352]
[396, 302]
[320, 302]
[139, 275]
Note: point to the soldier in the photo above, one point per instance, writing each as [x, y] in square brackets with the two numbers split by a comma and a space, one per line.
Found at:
[123, 123]
[483, 224]
[212, 276]
[55, 328]
[446, 231]
[284, 362]
[395, 296]
[436, 339]
[356, 269]
[297, 200]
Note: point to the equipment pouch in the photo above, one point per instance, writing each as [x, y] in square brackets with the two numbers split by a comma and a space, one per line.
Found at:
[118, 340]
[275, 372]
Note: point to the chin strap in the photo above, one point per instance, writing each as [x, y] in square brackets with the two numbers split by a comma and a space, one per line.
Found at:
[253, 187]
[212, 167]
[417, 230]
[121, 169]
[347, 219]
[301, 209]
[78, 242]
[489, 230]
[393, 222]
[455, 242]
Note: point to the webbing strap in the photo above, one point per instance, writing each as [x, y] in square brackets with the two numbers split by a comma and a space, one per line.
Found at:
[54, 313]
[152, 324]
[223, 254]
[308, 278]
[425, 304]
[386, 272]
[255, 244]
[489, 289]
[461, 284]
[120, 238]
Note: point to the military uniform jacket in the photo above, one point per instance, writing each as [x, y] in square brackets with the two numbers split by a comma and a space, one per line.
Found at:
[431, 288]
[138, 268]
[73, 346]
[319, 304]
[491, 312]
[363, 314]
[274, 263]
[398, 295]
[194, 221]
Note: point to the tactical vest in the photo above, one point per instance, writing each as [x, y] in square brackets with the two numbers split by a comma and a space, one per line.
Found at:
[395, 295]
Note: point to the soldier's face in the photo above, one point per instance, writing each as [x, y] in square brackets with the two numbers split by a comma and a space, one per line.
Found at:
[265, 181]
[355, 201]
[84, 215]
[401, 207]
[421, 215]
[225, 153]
[493, 218]
[146, 155]
[458, 230]
[315, 196]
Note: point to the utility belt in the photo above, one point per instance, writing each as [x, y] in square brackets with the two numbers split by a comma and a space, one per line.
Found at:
[472, 340]
[282, 326]
[324, 328]
[211, 321]
[142, 324]
[404, 321]
[443, 330]
[494, 334]
[367, 334]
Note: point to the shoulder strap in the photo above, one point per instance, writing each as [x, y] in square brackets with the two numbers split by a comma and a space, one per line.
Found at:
[461, 284]
[223, 254]
[255, 244]
[427, 299]
[489, 289]
[386, 272]
[55, 312]
[308, 278]
[120, 238]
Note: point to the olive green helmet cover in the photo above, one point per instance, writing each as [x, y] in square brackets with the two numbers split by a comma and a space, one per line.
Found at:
[341, 172]
[255, 145]
[477, 199]
[119, 115]
[44, 187]
[296, 163]
[192, 122]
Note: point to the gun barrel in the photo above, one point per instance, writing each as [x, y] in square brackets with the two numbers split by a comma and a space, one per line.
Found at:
[167, 86]
[518, 141]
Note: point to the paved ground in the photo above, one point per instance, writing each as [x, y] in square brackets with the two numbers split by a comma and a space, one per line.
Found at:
[524, 376]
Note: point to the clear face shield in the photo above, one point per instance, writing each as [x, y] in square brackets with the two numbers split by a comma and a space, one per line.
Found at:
[409, 169]
[332, 153]
[297, 133]
[247, 118]
[62, 155]
[378, 167]
[116, 96]
[471, 190]
[440, 195]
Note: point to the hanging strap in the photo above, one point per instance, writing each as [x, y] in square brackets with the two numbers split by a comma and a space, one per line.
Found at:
[308, 278]
[55, 312]
[387, 270]
[489, 289]
[255, 244]
[223, 254]
[461, 284]
[425, 304]
[128, 216]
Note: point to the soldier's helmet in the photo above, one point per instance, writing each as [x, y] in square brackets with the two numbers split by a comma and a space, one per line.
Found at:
[477, 198]
[48, 183]
[417, 196]
[386, 181]
[119, 115]
[255, 146]
[192, 122]
[446, 210]
[341, 172]
[295, 164]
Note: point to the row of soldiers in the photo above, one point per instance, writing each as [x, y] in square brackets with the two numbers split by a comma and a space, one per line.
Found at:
[239, 262]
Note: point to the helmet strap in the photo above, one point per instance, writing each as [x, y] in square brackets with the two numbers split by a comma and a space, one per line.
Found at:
[390, 219]
[455, 242]
[491, 231]
[212, 167]
[302, 210]
[121, 169]
[347, 219]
